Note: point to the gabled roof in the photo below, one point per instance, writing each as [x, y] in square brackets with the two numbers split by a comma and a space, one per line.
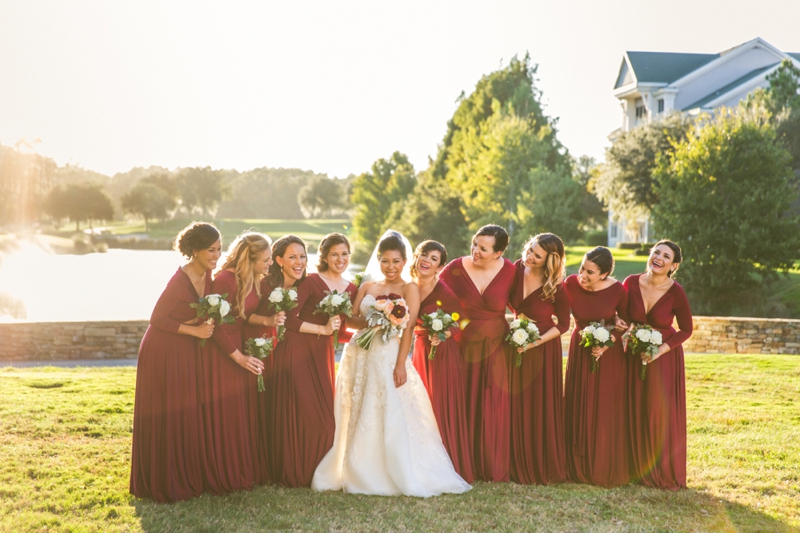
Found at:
[661, 67]
[728, 88]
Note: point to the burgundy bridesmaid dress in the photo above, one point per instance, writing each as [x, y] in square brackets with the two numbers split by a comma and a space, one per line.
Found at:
[657, 404]
[167, 456]
[302, 420]
[596, 405]
[226, 407]
[444, 379]
[537, 423]
[487, 361]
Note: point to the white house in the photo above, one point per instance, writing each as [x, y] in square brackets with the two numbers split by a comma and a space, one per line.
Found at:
[652, 84]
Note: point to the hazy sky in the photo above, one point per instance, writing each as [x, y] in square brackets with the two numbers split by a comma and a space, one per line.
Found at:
[328, 86]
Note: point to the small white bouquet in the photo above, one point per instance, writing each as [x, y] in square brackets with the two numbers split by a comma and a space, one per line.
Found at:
[642, 338]
[335, 303]
[437, 324]
[260, 347]
[389, 315]
[597, 334]
[281, 299]
[213, 308]
[523, 332]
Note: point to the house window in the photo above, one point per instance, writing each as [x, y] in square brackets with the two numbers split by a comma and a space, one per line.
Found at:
[660, 105]
[613, 230]
[641, 111]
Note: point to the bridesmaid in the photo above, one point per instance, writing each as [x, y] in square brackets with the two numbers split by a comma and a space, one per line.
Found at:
[658, 403]
[227, 370]
[537, 430]
[483, 283]
[167, 457]
[287, 270]
[302, 420]
[444, 375]
[596, 404]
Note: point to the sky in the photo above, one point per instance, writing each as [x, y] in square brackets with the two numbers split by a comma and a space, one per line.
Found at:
[328, 86]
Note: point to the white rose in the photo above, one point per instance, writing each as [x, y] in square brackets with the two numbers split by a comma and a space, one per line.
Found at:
[601, 334]
[655, 337]
[520, 337]
[224, 308]
[261, 341]
[433, 315]
[276, 296]
[292, 294]
[213, 300]
[588, 330]
[436, 325]
[643, 335]
[516, 323]
[532, 328]
[337, 300]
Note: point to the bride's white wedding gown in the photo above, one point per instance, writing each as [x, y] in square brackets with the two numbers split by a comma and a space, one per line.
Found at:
[387, 441]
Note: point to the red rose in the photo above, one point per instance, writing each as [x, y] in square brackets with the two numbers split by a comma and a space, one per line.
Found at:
[399, 311]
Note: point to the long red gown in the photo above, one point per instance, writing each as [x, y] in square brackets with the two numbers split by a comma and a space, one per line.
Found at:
[657, 404]
[226, 408]
[486, 367]
[444, 379]
[302, 419]
[167, 451]
[596, 405]
[537, 416]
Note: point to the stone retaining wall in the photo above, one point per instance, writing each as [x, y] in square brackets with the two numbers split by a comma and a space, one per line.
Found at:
[53, 341]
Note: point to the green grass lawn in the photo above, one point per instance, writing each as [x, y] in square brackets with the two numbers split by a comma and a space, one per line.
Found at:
[65, 437]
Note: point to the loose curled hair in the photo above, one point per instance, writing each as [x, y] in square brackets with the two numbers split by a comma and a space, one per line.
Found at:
[275, 272]
[498, 232]
[554, 266]
[329, 241]
[677, 254]
[426, 247]
[392, 241]
[601, 256]
[242, 253]
[195, 237]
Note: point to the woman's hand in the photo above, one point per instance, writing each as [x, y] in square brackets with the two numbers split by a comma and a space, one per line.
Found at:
[664, 348]
[619, 324]
[249, 363]
[400, 374]
[203, 330]
[435, 340]
[527, 347]
[333, 324]
[278, 319]
[598, 351]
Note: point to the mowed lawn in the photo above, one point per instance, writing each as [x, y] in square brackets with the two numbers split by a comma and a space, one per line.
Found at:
[65, 439]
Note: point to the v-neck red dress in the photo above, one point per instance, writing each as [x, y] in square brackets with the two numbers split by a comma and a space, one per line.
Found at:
[302, 419]
[596, 405]
[167, 451]
[537, 394]
[657, 404]
[444, 379]
[486, 367]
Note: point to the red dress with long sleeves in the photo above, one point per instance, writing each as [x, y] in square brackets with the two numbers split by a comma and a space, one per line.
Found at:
[537, 395]
[486, 367]
[167, 451]
[226, 408]
[302, 416]
[657, 404]
[444, 379]
[596, 405]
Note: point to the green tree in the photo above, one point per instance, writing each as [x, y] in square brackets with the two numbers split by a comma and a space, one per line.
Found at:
[202, 188]
[585, 171]
[79, 202]
[148, 201]
[725, 193]
[321, 197]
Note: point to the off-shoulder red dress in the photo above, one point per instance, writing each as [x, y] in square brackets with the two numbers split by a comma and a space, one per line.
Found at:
[596, 405]
[657, 404]
[302, 394]
[537, 395]
[486, 367]
[444, 379]
[167, 454]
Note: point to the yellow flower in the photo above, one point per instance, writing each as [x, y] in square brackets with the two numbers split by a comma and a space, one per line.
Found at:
[456, 316]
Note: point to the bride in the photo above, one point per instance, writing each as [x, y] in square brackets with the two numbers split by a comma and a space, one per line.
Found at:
[387, 441]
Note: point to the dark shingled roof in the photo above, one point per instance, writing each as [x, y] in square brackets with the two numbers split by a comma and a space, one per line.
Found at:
[666, 67]
[794, 55]
[722, 90]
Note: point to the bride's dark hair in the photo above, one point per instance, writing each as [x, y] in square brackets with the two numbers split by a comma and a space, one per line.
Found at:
[392, 241]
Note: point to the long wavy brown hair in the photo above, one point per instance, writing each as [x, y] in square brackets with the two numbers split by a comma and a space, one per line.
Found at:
[275, 274]
[555, 264]
[242, 253]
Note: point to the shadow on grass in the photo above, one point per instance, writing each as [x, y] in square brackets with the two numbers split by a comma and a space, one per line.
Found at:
[503, 507]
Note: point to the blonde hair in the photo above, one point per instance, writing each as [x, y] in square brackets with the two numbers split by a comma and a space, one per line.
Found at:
[242, 253]
[554, 267]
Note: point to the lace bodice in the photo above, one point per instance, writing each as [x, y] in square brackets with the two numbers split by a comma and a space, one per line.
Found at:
[367, 302]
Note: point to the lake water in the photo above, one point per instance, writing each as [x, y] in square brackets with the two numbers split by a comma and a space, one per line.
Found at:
[118, 285]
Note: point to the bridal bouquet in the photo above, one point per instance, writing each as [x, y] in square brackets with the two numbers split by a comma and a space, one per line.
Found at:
[260, 347]
[437, 323]
[523, 332]
[333, 304]
[389, 315]
[643, 339]
[213, 308]
[596, 334]
[282, 300]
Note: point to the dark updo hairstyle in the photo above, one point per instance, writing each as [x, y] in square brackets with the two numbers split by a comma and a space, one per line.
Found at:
[195, 237]
[392, 241]
[275, 274]
[426, 247]
[601, 256]
[677, 253]
[329, 241]
[498, 232]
